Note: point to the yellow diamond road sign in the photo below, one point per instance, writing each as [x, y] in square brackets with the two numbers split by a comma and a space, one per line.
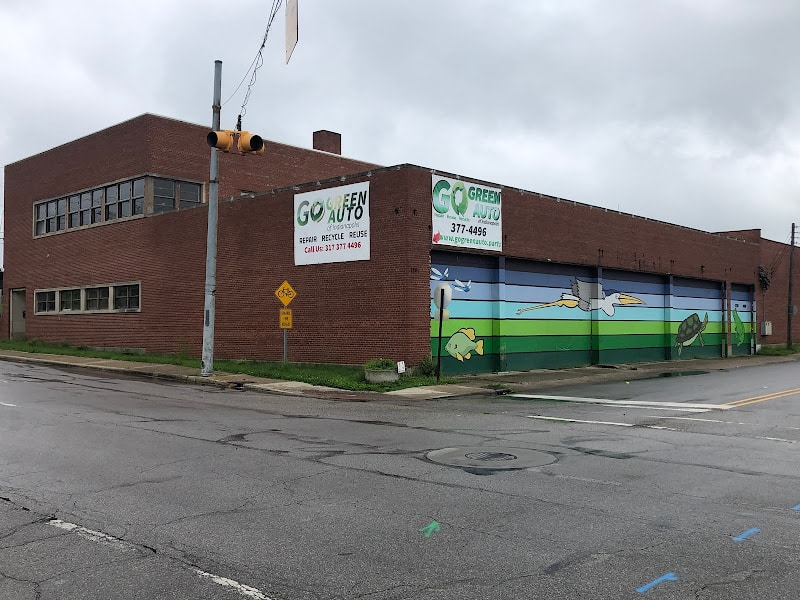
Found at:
[285, 293]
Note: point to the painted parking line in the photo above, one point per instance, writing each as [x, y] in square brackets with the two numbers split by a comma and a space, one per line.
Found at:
[624, 403]
[655, 582]
[764, 398]
[244, 590]
[613, 423]
[109, 540]
[6, 404]
[746, 534]
[563, 420]
[92, 535]
[706, 420]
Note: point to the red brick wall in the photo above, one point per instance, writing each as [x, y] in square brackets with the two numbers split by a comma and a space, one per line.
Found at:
[545, 228]
[344, 312]
[773, 303]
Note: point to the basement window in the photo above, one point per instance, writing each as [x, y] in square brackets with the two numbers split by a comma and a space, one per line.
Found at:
[45, 302]
[126, 297]
[97, 298]
[70, 299]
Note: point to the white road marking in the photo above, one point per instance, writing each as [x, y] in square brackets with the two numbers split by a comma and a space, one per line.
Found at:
[6, 404]
[244, 590]
[623, 402]
[688, 410]
[772, 439]
[705, 420]
[94, 536]
[108, 540]
[562, 420]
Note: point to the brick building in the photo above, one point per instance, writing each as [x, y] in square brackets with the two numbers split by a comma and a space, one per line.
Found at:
[106, 235]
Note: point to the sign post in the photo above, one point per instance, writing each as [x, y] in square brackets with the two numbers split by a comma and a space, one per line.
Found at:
[285, 294]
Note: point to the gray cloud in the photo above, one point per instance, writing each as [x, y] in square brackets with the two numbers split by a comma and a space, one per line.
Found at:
[680, 111]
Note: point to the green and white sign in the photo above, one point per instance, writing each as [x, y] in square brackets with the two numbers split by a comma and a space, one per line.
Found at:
[467, 215]
[332, 225]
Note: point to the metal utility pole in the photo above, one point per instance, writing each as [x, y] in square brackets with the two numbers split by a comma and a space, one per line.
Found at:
[790, 311]
[211, 243]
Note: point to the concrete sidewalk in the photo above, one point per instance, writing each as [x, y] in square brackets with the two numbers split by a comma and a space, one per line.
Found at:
[488, 384]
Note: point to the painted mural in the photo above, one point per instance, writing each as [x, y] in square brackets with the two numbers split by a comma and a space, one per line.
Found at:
[689, 330]
[742, 319]
[527, 315]
[588, 296]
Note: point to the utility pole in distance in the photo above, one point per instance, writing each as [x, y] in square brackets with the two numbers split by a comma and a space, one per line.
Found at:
[207, 368]
[790, 311]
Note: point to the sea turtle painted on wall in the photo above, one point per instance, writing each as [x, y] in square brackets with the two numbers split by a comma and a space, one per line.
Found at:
[689, 330]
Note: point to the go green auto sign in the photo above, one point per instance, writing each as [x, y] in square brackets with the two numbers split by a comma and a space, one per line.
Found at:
[467, 215]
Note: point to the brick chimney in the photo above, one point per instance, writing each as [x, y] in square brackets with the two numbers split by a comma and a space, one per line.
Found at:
[328, 141]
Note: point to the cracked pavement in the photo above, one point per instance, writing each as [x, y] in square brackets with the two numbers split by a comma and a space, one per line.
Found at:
[312, 498]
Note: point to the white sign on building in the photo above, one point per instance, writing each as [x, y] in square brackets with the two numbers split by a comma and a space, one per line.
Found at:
[467, 215]
[332, 225]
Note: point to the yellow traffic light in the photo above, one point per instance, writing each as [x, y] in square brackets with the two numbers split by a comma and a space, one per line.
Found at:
[250, 143]
[221, 140]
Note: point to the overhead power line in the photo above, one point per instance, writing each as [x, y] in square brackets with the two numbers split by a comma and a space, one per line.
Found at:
[258, 61]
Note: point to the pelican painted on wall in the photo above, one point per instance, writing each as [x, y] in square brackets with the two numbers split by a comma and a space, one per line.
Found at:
[588, 296]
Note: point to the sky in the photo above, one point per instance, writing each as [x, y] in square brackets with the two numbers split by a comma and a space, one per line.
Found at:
[683, 111]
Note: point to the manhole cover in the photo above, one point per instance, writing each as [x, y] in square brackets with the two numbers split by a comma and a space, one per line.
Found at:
[494, 459]
[490, 456]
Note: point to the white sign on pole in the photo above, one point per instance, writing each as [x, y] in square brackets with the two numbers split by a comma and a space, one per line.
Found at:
[332, 225]
[467, 215]
[291, 28]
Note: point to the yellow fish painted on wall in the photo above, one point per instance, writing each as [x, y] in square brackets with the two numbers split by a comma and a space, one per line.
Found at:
[462, 343]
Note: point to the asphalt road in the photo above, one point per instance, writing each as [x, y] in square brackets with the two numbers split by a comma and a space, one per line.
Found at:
[678, 487]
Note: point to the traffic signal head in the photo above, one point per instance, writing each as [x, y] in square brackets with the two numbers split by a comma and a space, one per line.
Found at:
[250, 143]
[221, 140]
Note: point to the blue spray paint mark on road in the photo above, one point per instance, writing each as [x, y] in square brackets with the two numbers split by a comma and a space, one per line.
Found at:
[746, 534]
[796, 507]
[667, 577]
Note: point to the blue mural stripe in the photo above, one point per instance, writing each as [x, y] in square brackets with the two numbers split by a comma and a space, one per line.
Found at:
[476, 274]
[741, 297]
[655, 288]
[462, 308]
[537, 295]
[557, 281]
[542, 295]
[746, 534]
[655, 582]
[697, 304]
[693, 292]
[477, 291]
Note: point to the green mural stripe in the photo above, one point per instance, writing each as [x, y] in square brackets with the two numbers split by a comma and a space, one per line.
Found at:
[637, 342]
[634, 342]
[711, 327]
[545, 327]
[476, 364]
[482, 327]
[547, 360]
[632, 355]
[528, 327]
[546, 343]
[567, 343]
